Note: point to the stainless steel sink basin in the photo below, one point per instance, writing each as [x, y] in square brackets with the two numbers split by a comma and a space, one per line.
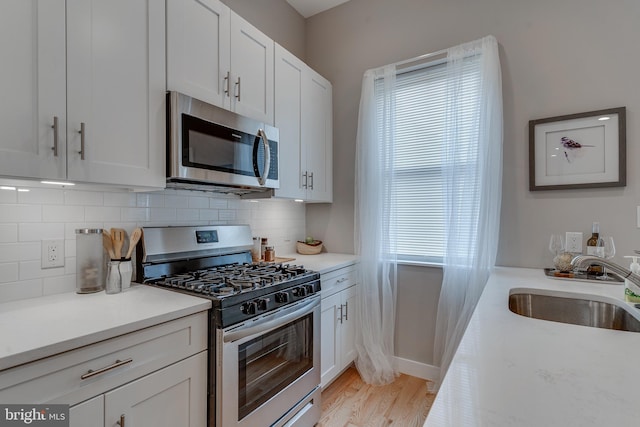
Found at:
[575, 311]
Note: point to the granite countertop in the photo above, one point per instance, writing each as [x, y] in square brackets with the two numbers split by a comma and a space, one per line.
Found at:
[323, 262]
[36, 328]
[512, 371]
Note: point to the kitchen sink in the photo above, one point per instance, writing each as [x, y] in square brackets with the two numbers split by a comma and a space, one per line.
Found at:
[576, 311]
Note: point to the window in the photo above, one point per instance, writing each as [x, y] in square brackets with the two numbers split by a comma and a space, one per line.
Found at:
[418, 154]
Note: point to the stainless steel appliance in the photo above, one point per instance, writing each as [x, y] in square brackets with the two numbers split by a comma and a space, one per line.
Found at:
[215, 149]
[264, 355]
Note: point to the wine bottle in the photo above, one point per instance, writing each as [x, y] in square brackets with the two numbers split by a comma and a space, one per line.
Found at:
[594, 249]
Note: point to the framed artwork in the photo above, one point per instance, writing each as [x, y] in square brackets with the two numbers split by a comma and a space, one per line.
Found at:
[585, 150]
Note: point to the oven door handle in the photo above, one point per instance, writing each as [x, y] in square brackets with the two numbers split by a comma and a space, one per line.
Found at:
[283, 317]
[262, 178]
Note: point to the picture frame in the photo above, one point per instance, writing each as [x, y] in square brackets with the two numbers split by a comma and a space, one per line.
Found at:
[584, 150]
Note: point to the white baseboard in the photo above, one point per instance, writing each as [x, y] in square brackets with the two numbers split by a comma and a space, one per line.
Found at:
[417, 369]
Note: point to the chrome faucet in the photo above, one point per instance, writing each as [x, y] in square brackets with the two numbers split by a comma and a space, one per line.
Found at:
[583, 261]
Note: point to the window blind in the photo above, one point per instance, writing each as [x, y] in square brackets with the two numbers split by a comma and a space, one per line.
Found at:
[420, 115]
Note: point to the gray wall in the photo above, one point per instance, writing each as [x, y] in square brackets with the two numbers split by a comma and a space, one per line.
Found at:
[558, 57]
[277, 19]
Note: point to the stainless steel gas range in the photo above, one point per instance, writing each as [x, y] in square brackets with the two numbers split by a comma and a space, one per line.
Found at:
[264, 338]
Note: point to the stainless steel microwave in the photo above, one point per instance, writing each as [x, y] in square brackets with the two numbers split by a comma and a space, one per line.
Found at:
[214, 149]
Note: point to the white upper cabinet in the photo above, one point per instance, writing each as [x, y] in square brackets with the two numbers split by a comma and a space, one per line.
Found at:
[113, 55]
[199, 30]
[216, 56]
[33, 87]
[116, 91]
[303, 114]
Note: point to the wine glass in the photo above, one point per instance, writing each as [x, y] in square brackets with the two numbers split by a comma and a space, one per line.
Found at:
[606, 248]
[556, 244]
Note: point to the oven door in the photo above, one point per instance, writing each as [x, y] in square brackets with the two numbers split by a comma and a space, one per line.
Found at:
[267, 366]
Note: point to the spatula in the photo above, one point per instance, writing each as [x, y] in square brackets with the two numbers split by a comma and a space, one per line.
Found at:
[107, 243]
[117, 235]
[133, 241]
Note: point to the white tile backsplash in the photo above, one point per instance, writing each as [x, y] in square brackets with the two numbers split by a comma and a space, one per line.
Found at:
[43, 213]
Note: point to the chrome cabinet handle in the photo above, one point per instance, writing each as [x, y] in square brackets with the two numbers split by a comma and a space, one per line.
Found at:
[306, 177]
[238, 85]
[311, 178]
[82, 135]
[340, 318]
[55, 136]
[121, 422]
[227, 83]
[91, 373]
[346, 310]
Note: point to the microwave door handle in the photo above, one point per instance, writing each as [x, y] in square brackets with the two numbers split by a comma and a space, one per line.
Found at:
[262, 179]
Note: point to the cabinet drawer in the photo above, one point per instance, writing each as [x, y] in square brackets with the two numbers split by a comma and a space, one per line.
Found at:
[80, 374]
[338, 280]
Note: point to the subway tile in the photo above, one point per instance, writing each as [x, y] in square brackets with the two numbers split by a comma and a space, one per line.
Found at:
[69, 265]
[35, 232]
[227, 215]
[62, 213]
[243, 216]
[33, 270]
[8, 233]
[8, 196]
[135, 214]
[14, 291]
[208, 215]
[198, 202]
[71, 227]
[10, 252]
[219, 203]
[69, 248]
[121, 199]
[174, 201]
[41, 196]
[20, 213]
[85, 198]
[58, 284]
[8, 272]
[102, 213]
[145, 200]
[163, 214]
[187, 215]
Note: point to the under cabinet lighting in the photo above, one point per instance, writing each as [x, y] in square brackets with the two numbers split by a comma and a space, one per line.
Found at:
[7, 188]
[56, 183]
[23, 190]
[299, 200]
[604, 118]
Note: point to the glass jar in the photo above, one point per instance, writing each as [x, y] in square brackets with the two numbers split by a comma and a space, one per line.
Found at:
[89, 260]
[269, 254]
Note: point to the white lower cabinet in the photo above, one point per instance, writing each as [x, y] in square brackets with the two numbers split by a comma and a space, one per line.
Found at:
[337, 323]
[152, 377]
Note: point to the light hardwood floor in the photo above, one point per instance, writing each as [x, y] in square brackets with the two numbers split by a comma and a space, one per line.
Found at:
[349, 402]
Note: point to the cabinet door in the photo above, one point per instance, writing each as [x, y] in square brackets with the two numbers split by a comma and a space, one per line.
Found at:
[289, 75]
[32, 84]
[116, 91]
[88, 414]
[330, 338]
[348, 333]
[317, 125]
[173, 396]
[251, 71]
[198, 49]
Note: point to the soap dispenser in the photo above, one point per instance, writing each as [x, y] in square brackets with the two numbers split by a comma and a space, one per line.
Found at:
[631, 290]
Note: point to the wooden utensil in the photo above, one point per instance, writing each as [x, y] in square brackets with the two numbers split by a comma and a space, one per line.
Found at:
[117, 235]
[133, 241]
[107, 243]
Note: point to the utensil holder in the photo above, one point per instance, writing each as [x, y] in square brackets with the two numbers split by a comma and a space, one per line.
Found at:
[114, 280]
[126, 271]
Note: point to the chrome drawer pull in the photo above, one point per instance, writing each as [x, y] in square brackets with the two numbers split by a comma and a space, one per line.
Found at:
[92, 373]
[343, 279]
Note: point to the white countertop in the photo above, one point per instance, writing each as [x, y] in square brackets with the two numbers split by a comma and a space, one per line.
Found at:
[513, 371]
[35, 328]
[323, 262]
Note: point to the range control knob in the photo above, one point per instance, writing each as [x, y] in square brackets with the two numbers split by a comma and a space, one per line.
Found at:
[249, 307]
[300, 291]
[309, 289]
[261, 304]
[282, 297]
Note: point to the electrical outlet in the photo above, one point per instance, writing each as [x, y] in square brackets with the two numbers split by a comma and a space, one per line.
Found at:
[52, 253]
[573, 242]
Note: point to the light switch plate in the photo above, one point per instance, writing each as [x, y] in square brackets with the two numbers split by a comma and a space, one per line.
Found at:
[573, 242]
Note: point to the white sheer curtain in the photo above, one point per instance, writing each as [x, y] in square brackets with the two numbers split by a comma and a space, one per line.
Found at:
[473, 191]
[374, 195]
